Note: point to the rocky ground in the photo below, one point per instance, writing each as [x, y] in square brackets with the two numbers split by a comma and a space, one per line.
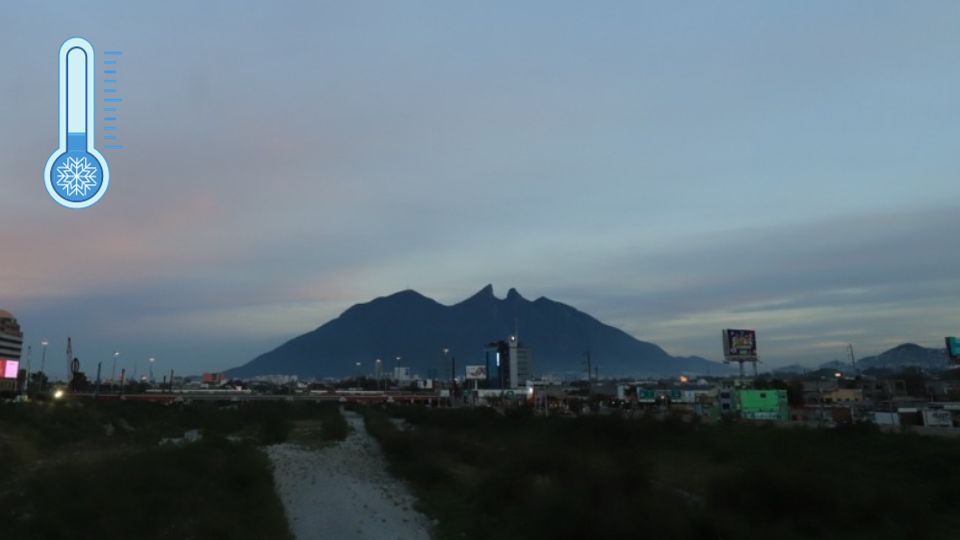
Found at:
[344, 491]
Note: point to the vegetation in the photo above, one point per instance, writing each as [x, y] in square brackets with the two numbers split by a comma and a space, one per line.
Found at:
[483, 475]
[97, 470]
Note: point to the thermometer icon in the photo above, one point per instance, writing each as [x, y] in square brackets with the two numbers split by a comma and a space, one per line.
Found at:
[76, 174]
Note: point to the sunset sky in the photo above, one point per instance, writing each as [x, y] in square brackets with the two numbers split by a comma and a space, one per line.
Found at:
[670, 169]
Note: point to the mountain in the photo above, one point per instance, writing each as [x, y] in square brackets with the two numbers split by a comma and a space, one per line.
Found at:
[837, 365]
[906, 355]
[416, 328]
[792, 369]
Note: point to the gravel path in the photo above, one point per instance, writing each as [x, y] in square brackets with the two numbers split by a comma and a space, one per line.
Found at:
[344, 491]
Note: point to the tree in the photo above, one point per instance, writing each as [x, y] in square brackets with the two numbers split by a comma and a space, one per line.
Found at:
[38, 380]
[79, 382]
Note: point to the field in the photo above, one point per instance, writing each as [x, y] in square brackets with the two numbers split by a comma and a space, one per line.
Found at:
[85, 470]
[483, 475]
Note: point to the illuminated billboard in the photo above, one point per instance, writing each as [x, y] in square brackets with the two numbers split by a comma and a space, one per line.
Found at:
[476, 373]
[739, 346]
[953, 349]
[9, 369]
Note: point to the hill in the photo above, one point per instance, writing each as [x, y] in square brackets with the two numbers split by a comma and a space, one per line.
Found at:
[906, 355]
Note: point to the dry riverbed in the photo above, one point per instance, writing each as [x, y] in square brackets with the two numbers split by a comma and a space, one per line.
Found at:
[344, 491]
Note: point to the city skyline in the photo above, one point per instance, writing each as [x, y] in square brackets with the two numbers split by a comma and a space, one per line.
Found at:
[669, 170]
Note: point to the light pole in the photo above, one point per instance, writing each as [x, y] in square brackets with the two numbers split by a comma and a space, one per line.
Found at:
[358, 371]
[113, 370]
[152, 360]
[26, 380]
[445, 352]
[379, 370]
[43, 361]
[395, 374]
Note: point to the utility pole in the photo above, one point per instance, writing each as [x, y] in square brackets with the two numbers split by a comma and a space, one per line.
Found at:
[589, 374]
[69, 362]
[43, 361]
[96, 392]
[26, 379]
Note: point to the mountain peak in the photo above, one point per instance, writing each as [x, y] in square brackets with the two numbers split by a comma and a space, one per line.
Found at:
[407, 293]
[484, 294]
[512, 294]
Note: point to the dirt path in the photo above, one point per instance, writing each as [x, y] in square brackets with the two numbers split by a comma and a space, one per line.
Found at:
[344, 491]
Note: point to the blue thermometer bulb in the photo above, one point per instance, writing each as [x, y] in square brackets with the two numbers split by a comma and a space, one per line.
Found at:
[77, 175]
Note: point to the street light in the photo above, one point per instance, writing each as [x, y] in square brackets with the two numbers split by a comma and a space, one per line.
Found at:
[24, 390]
[379, 371]
[113, 371]
[152, 360]
[43, 361]
[446, 351]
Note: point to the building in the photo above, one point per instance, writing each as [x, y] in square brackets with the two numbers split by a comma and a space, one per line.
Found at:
[11, 345]
[843, 395]
[212, 378]
[508, 364]
[492, 360]
[520, 368]
[401, 374]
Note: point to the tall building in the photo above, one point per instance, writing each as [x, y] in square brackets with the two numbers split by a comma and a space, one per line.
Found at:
[520, 369]
[11, 345]
[508, 364]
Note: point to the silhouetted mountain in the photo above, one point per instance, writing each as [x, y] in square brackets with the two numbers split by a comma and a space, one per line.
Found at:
[792, 369]
[416, 328]
[906, 355]
[837, 365]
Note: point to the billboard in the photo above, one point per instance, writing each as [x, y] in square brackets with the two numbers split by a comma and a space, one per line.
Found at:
[476, 373]
[953, 349]
[9, 369]
[739, 346]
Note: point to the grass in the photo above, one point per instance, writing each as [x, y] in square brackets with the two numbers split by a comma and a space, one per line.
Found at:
[518, 476]
[63, 476]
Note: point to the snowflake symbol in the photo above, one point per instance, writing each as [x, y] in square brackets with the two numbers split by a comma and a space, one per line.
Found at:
[76, 176]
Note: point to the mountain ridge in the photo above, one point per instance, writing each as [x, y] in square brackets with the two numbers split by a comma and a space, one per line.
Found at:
[414, 327]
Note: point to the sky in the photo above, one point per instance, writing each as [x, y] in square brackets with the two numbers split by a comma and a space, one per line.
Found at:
[670, 168]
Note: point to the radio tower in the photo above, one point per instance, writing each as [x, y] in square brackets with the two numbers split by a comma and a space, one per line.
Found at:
[69, 360]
